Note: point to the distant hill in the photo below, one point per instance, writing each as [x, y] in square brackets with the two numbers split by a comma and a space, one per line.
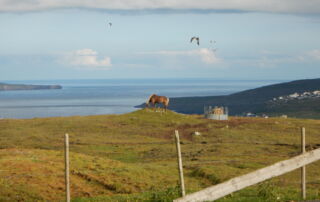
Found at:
[5, 87]
[257, 101]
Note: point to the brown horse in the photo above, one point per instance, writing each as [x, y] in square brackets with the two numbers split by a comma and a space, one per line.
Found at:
[154, 99]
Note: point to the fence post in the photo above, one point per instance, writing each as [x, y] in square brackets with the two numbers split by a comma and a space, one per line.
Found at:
[180, 168]
[66, 157]
[303, 168]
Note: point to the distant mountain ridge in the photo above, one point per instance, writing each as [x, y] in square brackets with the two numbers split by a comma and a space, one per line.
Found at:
[256, 101]
[6, 87]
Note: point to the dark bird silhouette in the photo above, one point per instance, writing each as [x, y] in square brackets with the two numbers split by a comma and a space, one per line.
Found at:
[110, 24]
[195, 38]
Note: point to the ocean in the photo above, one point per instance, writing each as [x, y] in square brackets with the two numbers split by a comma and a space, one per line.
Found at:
[109, 96]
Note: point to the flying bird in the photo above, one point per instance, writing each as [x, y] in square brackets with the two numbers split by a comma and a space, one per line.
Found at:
[110, 24]
[214, 50]
[195, 38]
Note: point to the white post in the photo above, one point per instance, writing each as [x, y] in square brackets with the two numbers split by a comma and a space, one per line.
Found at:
[183, 192]
[66, 157]
[303, 168]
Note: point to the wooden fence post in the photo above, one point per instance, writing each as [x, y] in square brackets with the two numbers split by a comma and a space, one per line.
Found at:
[303, 168]
[180, 168]
[66, 157]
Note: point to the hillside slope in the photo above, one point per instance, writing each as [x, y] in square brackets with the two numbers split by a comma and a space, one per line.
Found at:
[131, 157]
[255, 100]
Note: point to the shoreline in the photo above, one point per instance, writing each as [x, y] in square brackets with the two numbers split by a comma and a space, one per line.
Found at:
[15, 87]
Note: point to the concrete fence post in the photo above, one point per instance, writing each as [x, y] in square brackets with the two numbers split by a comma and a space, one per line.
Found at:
[180, 168]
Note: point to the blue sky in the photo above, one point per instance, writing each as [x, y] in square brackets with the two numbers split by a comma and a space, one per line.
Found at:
[72, 39]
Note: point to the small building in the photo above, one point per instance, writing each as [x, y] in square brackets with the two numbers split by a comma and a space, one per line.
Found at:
[216, 113]
[294, 95]
[316, 92]
[249, 114]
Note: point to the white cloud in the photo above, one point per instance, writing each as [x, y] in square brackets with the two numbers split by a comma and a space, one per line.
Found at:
[84, 52]
[86, 57]
[274, 59]
[309, 56]
[206, 55]
[314, 54]
[277, 6]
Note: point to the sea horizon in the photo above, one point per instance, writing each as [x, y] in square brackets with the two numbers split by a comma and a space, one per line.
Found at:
[80, 97]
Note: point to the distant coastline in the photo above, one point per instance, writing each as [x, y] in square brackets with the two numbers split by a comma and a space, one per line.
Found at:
[8, 87]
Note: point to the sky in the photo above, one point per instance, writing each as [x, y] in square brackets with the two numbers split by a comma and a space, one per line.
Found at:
[72, 39]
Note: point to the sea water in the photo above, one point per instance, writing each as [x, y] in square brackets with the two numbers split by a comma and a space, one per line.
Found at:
[110, 96]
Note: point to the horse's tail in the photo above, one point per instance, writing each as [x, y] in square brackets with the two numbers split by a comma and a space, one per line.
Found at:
[167, 101]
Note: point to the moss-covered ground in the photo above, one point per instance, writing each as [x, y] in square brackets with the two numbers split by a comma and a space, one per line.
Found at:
[132, 157]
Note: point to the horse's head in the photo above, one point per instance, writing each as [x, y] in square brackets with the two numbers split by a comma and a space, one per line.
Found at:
[149, 100]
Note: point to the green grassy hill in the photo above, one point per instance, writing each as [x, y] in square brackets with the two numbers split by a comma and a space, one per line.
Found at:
[131, 157]
[256, 101]
[307, 108]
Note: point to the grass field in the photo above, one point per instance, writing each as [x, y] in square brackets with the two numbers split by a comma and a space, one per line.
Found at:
[132, 157]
